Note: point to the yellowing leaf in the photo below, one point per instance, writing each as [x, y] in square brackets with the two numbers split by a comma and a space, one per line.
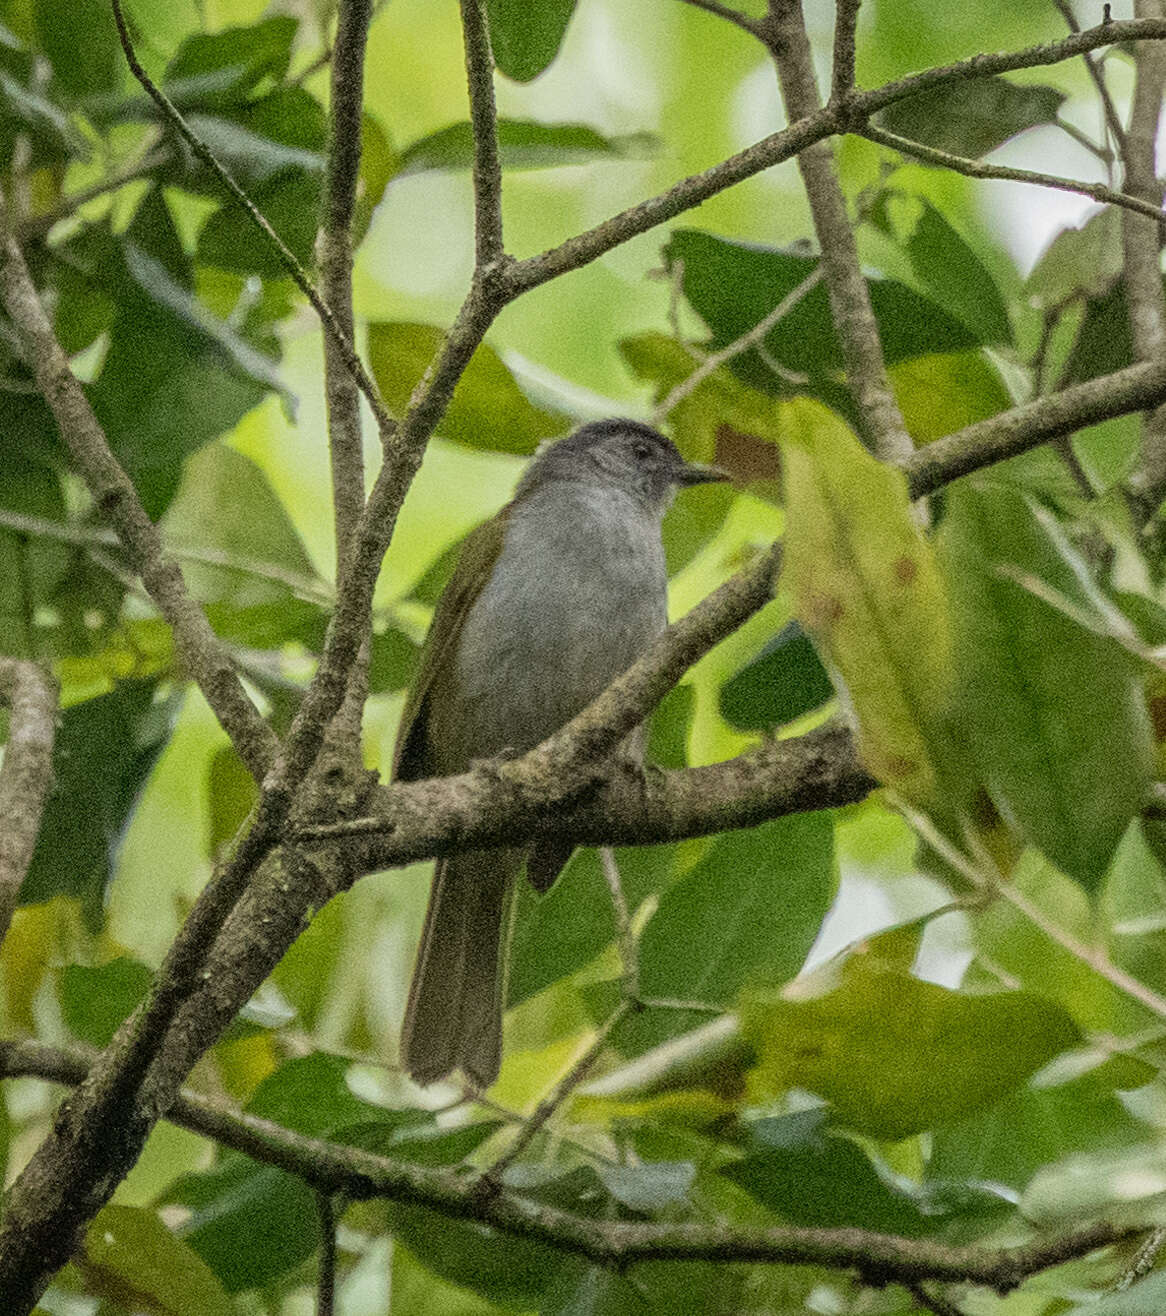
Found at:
[895, 1055]
[866, 587]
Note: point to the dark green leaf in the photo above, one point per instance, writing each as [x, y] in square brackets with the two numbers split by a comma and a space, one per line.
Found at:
[668, 728]
[410, 1137]
[505, 1269]
[956, 277]
[783, 682]
[747, 913]
[526, 34]
[522, 144]
[311, 1095]
[130, 1252]
[223, 67]
[735, 285]
[95, 1000]
[103, 754]
[80, 40]
[488, 409]
[174, 376]
[797, 1167]
[1035, 685]
[973, 116]
[249, 1223]
[394, 661]
[290, 202]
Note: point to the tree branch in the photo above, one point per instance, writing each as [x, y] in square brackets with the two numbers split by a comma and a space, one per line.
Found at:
[1142, 249]
[845, 27]
[585, 247]
[484, 120]
[979, 169]
[784, 34]
[342, 390]
[26, 773]
[613, 1244]
[335, 248]
[115, 497]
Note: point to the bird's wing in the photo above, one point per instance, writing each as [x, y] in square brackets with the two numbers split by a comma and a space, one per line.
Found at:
[411, 758]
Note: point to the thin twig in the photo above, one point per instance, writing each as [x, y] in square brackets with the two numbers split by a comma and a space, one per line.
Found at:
[981, 874]
[1112, 118]
[1144, 1260]
[629, 951]
[490, 1181]
[286, 257]
[26, 772]
[711, 363]
[114, 495]
[845, 27]
[979, 169]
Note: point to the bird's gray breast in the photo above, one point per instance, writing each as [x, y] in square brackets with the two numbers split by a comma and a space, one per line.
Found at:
[578, 592]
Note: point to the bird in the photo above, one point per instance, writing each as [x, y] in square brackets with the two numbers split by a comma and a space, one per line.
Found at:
[550, 601]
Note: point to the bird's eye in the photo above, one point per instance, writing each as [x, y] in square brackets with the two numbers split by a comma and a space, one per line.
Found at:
[642, 451]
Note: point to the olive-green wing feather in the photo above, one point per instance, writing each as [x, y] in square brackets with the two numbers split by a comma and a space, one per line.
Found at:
[411, 758]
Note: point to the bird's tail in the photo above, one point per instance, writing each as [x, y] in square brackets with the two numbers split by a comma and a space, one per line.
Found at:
[454, 1014]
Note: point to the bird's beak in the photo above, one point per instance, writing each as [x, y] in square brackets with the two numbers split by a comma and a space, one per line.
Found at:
[699, 473]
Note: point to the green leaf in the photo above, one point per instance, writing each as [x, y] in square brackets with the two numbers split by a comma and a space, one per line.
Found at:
[508, 1270]
[488, 409]
[1079, 260]
[95, 1000]
[525, 35]
[895, 1055]
[252, 1223]
[289, 201]
[173, 378]
[973, 116]
[249, 1223]
[811, 1176]
[1127, 1186]
[66, 27]
[408, 1136]
[259, 579]
[1035, 686]
[867, 588]
[957, 277]
[747, 913]
[224, 67]
[735, 285]
[522, 144]
[104, 751]
[131, 1257]
[1031, 1127]
[783, 682]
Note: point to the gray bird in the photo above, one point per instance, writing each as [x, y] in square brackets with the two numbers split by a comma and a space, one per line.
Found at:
[551, 600]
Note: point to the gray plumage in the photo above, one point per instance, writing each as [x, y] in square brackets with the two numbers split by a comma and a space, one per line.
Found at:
[551, 600]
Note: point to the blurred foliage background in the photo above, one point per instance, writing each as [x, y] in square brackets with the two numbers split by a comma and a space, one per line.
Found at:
[1029, 1096]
